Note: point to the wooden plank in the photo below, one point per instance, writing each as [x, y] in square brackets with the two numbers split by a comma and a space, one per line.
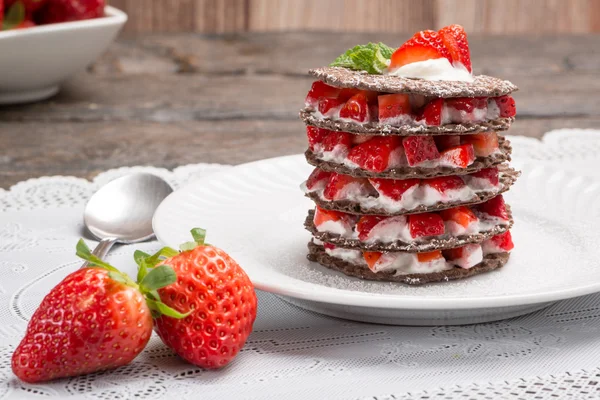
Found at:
[220, 16]
[516, 16]
[340, 15]
[478, 16]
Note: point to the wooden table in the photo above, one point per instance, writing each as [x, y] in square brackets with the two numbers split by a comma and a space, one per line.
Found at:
[177, 99]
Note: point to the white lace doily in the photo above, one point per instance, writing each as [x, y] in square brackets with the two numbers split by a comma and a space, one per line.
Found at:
[296, 354]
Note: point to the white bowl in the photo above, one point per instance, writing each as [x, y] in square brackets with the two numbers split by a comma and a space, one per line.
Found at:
[35, 61]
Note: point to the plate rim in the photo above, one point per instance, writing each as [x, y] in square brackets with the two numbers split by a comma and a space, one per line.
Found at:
[385, 300]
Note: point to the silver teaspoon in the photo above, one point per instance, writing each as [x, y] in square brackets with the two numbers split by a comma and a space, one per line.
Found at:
[122, 210]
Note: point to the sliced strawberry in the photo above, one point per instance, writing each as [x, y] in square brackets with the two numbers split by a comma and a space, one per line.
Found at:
[320, 89]
[444, 183]
[429, 256]
[484, 144]
[328, 104]
[318, 179]
[444, 142]
[494, 207]
[459, 156]
[334, 138]
[366, 223]
[507, 105]
[315, 135]
[503, 241]
[425, 45]
[358, 138]
[491, 174]
[357, 108]
[346, 93]
[425, 225]
[393, 106]
[454, 38]
[466, 104]
[393, 188]
[454, 254]
[374, 155]
[371, 257]
[322, 215]
[329, 246]
[419, 149]
[338, 186]
[461, 215]
[431, 114]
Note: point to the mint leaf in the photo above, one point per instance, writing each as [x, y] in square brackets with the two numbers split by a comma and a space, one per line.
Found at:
[14, 16]
[372, 58]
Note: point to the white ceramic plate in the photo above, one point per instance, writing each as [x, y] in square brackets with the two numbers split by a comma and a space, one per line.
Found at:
[256, 211]
[35, 61]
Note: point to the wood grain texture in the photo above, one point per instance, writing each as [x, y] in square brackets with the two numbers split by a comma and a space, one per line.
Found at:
[167, 100]
[477, 16]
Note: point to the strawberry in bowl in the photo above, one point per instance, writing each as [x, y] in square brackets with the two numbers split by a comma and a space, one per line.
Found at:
[63, 36]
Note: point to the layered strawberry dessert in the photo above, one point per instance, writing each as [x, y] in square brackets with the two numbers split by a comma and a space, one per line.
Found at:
[410, 162]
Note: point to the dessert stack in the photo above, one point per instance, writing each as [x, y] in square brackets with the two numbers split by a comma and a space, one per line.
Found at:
[410, 164]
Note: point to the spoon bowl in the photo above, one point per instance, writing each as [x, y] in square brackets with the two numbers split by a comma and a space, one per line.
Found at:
[122, 210]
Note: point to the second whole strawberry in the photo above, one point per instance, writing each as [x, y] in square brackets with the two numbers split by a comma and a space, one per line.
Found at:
[216, 294]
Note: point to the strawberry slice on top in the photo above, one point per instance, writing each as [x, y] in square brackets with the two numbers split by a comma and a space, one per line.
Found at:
[454, 38]
[424, 45]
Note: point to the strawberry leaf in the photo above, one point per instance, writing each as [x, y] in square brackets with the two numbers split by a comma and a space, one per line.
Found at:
[140, 256]
[188, 246]
[163, 253]
[83, 252]
[159, 277]
[199, 235]
[14, 16]
[164, 309]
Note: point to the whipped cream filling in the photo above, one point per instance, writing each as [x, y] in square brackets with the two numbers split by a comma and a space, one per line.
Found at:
[418, 195]
[438, 69]
[396, 228]
[408, 263]
[473, 255]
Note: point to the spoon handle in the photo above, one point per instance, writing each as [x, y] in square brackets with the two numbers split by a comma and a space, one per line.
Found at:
[102, 249]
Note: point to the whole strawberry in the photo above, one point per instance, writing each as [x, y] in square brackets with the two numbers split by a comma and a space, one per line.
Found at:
[70, 10]
[96, 319]
[219, 298]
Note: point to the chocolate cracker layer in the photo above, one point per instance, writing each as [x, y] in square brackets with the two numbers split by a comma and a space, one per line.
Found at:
[375, 128]
[508, 177]
[489, 263]
[407, 172]
[431, 244]
[482, 86]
